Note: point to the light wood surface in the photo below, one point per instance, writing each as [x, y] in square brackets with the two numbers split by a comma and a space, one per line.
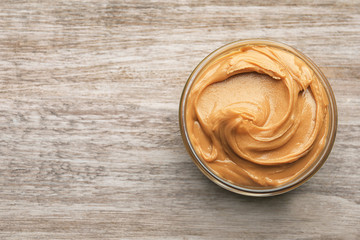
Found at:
[90, 146]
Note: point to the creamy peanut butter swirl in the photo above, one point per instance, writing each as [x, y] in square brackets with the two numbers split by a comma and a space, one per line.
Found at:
[257, 116]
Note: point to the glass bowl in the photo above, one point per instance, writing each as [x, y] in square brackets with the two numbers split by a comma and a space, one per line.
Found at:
[259, 191]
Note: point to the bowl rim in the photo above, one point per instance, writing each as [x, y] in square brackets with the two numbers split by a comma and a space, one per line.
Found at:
[248, 191]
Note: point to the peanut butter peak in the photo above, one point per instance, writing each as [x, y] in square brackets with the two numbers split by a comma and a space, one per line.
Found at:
[257, 116]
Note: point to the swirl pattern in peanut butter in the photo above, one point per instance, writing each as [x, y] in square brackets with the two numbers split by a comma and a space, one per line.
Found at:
[257, 116]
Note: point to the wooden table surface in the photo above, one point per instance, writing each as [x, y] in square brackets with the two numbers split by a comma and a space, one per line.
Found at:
[90, 146]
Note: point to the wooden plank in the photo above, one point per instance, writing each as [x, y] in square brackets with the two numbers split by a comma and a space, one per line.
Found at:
[90, 146]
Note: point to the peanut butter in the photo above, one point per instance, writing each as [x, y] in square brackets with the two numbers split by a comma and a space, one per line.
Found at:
[257, 116]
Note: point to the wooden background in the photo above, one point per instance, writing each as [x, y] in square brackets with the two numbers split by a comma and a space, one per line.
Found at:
[90, 146]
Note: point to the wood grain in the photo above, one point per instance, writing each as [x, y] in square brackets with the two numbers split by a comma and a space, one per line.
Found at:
[90, 145]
